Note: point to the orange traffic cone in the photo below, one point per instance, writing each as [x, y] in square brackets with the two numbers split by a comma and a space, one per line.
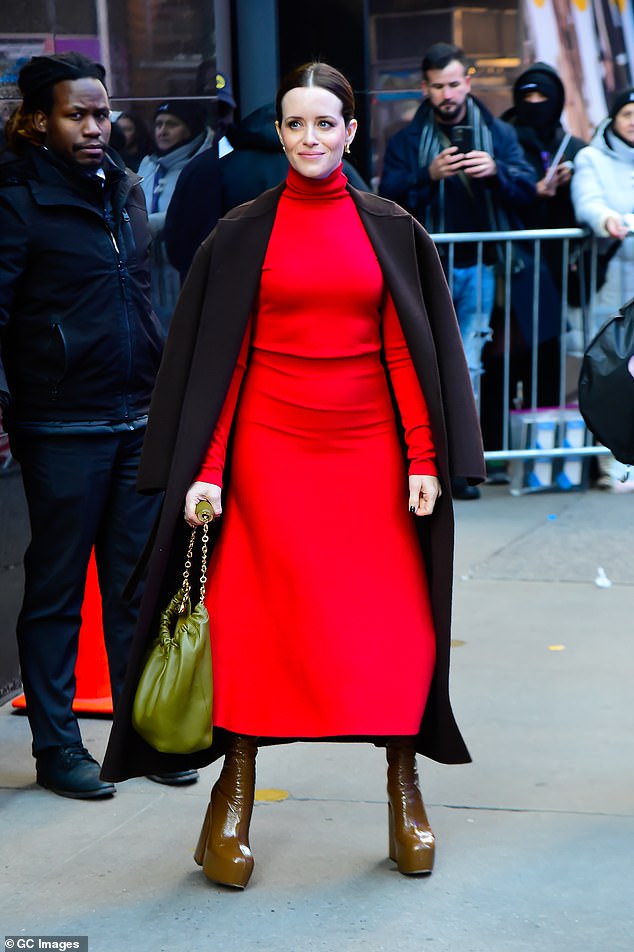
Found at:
[92, 690]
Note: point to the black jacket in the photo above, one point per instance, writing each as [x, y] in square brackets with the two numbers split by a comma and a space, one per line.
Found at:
[405, 182]
[80, 345]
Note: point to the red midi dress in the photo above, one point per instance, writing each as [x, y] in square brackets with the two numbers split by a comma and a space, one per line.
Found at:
[320, 615]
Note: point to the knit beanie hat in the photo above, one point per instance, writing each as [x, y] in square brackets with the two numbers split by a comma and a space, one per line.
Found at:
[621, 99]
[192, 113]
[44, 72]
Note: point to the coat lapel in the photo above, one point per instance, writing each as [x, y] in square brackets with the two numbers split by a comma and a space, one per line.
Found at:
[391, 234]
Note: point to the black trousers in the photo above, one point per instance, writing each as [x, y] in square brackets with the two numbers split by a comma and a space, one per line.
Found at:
[80, 492]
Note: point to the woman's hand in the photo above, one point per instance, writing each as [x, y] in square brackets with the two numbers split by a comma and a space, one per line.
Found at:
[195, 494]
[423, 493]
[616, 227]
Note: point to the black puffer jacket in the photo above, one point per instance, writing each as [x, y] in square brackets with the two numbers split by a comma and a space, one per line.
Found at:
[80, 344]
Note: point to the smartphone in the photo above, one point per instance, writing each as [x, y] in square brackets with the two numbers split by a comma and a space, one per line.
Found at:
[462, 136]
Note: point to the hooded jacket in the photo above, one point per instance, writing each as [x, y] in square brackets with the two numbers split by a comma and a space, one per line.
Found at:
[540, 134]
[80, 344]
[602, 186]
[603, 183]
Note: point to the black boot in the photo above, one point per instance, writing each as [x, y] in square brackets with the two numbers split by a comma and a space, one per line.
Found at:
[71, 772]
[175, 778]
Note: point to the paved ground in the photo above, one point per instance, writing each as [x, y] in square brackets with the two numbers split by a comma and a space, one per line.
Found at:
[535, 838]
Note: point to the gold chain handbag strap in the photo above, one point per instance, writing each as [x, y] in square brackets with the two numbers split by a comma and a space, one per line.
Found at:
[203, 561]
[206, 516]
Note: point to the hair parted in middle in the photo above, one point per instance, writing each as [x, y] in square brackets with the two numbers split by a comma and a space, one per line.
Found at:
[324, 76]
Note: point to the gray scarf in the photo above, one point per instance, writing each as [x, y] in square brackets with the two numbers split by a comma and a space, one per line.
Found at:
[431, 144]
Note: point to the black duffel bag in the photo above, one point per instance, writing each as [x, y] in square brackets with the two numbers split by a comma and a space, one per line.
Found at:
[606, 385]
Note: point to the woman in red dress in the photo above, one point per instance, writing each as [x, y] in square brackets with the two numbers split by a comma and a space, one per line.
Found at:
[320, 430]
[308, 625]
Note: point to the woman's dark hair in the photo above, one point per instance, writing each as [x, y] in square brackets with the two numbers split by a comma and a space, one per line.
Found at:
[324, 76]
[143, 142]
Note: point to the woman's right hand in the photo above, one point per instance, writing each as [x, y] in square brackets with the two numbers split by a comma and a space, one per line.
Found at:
[195, 494]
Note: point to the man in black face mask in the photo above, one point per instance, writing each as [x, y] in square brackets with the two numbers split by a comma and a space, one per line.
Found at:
[539, 99]
[538, 96]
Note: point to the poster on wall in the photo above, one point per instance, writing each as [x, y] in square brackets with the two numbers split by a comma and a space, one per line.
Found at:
[15, 51]
[615, 29]
[88, 45]
[591, 45]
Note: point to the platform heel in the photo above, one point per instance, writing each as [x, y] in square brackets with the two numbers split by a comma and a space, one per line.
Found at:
[412, 844]
[223, 848]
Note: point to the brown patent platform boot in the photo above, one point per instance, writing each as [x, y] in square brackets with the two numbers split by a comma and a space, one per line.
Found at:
[412, 844]
[223, 848]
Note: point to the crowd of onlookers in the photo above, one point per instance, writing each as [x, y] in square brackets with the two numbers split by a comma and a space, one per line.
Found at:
[458, 169]
[100, 219]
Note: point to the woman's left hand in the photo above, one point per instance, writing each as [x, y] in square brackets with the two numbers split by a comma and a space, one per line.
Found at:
[423, 493]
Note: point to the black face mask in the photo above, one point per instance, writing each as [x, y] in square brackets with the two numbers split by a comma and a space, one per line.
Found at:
[539, 115]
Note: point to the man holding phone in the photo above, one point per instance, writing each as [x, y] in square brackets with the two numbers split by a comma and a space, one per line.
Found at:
[459, 169]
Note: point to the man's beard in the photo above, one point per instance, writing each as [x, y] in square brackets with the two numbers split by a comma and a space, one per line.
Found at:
[449, 115]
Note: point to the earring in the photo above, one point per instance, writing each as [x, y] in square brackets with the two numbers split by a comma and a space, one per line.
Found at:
[347, 148]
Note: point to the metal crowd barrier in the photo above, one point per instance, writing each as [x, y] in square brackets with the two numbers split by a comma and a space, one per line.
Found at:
[533, 446]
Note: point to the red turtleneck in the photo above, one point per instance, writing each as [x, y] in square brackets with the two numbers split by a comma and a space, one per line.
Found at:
[322, 295]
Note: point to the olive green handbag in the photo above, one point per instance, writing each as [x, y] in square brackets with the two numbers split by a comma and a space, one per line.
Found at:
[172, 708]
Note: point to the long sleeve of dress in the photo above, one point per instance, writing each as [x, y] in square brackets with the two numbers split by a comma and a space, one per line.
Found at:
[409, 396]
[212, 468]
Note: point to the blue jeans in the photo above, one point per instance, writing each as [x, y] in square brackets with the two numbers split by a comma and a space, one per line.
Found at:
[473, 299]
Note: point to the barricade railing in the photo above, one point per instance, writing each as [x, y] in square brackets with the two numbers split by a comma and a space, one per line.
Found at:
[544, 442]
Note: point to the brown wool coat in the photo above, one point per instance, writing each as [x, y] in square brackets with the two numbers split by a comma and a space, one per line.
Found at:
[204, 341]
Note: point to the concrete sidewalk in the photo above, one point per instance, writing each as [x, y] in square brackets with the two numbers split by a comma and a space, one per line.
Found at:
[535, 838]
